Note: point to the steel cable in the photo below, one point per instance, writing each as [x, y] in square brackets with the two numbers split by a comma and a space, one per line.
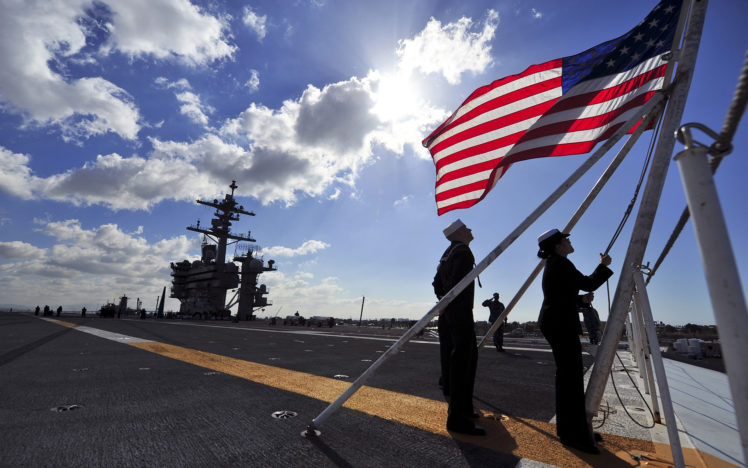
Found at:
[630, 208]
[719, 149]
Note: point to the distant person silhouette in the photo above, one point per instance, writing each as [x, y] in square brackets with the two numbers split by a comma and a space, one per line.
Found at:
[591, 322]
[59, 310]
[83, 312]
[47, 310]
[36, 311]
[496, 308]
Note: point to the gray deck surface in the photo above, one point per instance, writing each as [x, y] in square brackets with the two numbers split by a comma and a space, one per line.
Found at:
[703, 405]
[138, 408]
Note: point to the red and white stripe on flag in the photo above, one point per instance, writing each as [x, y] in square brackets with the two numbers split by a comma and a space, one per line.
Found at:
[529, 115]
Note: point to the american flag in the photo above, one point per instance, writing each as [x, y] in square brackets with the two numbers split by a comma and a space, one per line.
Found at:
[558, 108]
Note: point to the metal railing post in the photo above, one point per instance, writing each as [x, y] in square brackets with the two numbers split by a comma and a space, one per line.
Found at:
[639, 340]
[630, 331]
[720, 269]
[667, 402]
[649, 381]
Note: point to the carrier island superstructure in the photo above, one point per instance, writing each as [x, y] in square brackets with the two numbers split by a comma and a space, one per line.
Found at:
[201, 285]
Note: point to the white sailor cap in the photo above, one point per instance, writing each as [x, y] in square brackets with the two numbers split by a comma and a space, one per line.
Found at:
[550, 233]
[452, 228]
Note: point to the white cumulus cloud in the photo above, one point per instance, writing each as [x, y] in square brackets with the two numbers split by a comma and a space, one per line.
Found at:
[167, 29]
[193, 108]
[39, 40]
[451, 49]
[308, 247]
[191, 103]
[18, 249]
[312, 146]
[15, 174]
[255, 22]
[126, 183]
[89, 262]
[253, 83]
[36, 34]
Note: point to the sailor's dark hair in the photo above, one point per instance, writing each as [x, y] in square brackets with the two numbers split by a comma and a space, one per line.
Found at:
[547, 246]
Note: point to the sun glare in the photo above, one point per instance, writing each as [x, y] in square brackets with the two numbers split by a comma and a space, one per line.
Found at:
[396, 96]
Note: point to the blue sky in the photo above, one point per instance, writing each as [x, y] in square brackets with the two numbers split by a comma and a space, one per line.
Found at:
[116, 116]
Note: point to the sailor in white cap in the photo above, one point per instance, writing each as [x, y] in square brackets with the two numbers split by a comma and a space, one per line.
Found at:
[450, 231]
[559, 322]
[458, 347]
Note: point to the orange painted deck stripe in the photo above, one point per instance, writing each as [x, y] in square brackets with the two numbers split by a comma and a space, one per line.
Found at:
[521, 437]
[63, 323]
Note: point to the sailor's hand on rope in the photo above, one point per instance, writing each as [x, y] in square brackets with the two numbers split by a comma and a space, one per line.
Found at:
[605, 259]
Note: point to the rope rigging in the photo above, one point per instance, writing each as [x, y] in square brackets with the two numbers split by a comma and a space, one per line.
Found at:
[630, 208]
[718, 150]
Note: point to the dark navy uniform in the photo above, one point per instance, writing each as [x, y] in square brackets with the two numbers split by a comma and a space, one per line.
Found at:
[496, 308]
[458, 347]
[559, 322]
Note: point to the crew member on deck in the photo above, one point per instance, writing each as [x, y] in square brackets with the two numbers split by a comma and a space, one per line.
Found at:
[458, 347]
[559, 322]
[496, 308]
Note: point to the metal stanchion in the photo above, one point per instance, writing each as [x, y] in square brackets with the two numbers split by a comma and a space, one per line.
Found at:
[638, 341]
[720, 269]
[649, 381]
[630, 331]
[667, 402]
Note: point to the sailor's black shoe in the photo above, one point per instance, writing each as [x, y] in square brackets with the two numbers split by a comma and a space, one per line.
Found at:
[587, 448]
[466, 428]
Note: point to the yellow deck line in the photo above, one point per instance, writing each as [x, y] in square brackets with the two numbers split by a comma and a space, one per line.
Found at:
[63, 323]
[521, 437]
[524, 438]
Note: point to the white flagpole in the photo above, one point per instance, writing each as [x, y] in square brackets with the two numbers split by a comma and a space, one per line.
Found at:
[647, 209]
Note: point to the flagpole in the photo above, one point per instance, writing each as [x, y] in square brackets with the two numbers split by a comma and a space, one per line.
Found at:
[678, 31]
[594, 192]
[647, 211]
[470, 277]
